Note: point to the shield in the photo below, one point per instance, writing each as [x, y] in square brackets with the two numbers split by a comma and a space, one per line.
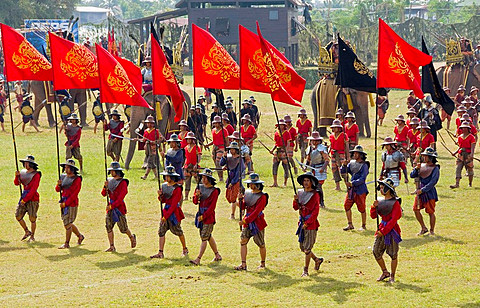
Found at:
[27, 110]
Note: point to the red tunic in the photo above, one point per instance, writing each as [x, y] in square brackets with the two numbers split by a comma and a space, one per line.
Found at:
[191, 155]
[152, 135]
[210, 203]
[458, 121]
[117, 197]
[465, 143]
[73, 141]
[278, 141]
[181, 136]
[248, 134]
[32, 187]
[293, 135]
[311, 208]
[424, 142]
[71, 194]
[391, 219]
[117, 130]
[401, 135]
[338, 143]
[254, 213]
[173, 201]
[352, 132]
[217, 137]
[413, 136]
[229, 129]
[459, 98]
[304, 128]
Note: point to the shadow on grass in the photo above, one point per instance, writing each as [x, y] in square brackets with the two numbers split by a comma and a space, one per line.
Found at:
[422, 240]
[217, 269]
[7, 249]
[337, 289]
[273, 280]
[128, 259]
[156, 265]
[407, 286]
[41, 245]
[72, 253]
[331, 210]
[368, 233]
[2, 242]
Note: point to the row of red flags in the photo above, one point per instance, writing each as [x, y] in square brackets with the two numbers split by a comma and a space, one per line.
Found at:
[262, 67]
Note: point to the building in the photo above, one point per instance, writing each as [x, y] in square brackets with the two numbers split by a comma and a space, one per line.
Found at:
[90, 15]
[278, 20]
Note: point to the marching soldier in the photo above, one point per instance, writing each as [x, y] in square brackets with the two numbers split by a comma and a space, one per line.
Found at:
[171, 195]
[413, 134]
[253, 223]
[292, 145]
[410, 115]
[152, 137]
[338, 147]
[282, 139]
[304, 127]
[249, 134]
[466, 148]
[231, 114]
[175, 156]
[73, 131]
[317, 159]
[29, 177]
[460, 96]
[116, 187]
[357, 189]
[226, 124]
[401, 134]
[206, 196]
[69, 185]
[98, 114]
[393, 160]
[387, 236]
[254, 107]
[351, 130]
[382, 107]
[115, 126]
[233, 162]
[193, 154]
[307, 202]
[425, 139]
[428, 171]
[26, 110]
[431, 116]
[219, 141]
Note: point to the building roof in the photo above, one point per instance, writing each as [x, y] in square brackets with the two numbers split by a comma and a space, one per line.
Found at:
[183, 3]
[91, 9]
[161, 16]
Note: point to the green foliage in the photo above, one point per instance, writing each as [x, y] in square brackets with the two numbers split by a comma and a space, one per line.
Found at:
[132, 9]
[13, 12]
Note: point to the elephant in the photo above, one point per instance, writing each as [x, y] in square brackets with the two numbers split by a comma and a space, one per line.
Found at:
[79, 96]
[456, 77]
[360, 102]
[140, 113]
[38, 89]
[330, 98]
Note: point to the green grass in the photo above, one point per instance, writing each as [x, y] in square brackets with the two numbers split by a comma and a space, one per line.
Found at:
[433, 271]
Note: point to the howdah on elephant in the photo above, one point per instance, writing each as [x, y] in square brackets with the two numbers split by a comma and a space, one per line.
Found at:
[455, 75]
[327, 97]
[167, 124]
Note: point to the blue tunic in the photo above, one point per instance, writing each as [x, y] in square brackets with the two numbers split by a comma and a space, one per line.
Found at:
[358, 179]
[176, 161]
[235, 174]
[427, 185]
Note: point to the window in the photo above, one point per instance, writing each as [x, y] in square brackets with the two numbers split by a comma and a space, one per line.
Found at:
[222, 26]
[273, 15]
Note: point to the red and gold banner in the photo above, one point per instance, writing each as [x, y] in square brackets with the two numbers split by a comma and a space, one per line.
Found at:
[133, 72]
[74, 65]
[398, 62]
[164, 81]
[22, 60]
[271, 76]
[115, 86]
[213, 67]
[251, 66]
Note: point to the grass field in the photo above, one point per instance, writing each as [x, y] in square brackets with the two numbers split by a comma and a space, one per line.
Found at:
[433, 271]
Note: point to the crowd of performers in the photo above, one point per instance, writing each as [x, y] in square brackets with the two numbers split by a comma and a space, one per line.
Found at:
[232, 156]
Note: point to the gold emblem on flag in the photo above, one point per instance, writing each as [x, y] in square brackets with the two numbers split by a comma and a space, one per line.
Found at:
[264, 63]
[216, 66]
[168, 74]
[361, 68]
[398, 64]
[28, 58]
[119, 81]
[79, 63]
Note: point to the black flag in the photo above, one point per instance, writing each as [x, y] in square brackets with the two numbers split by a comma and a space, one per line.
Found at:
[352, 73]
[430, 84]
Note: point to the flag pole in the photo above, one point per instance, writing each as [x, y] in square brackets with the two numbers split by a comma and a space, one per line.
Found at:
[240, 128]
[13, 132]
[284, 147]
[156, 152]
[55, 100]
[376, 154]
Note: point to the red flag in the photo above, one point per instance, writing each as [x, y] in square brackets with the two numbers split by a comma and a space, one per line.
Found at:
[115, 87]
[133, 72]
[74, 65]
[22, 60]
[398, 62]
[213, 67]
[271, 77]
[164, 81]
[250, 49]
